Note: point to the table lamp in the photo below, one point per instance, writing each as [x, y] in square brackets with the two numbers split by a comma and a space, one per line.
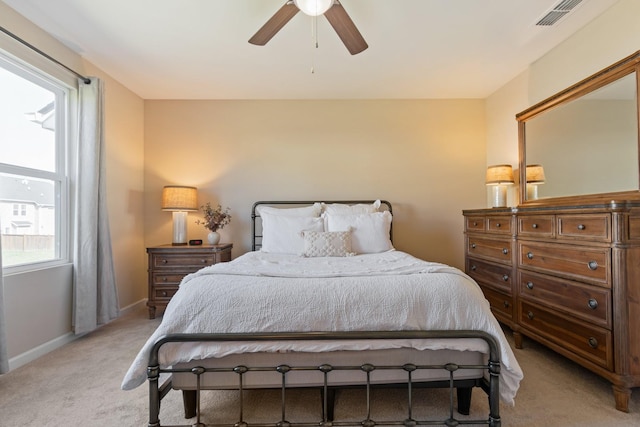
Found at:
[179, 200]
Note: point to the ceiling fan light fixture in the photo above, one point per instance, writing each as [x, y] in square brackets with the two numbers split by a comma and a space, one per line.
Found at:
[313, 7]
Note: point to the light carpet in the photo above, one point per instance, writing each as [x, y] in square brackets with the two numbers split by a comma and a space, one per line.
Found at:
[79, 385]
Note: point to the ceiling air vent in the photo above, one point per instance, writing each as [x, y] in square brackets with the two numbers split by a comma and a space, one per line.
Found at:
[558, 11]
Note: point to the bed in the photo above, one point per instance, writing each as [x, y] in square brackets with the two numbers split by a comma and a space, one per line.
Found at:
[324, 300]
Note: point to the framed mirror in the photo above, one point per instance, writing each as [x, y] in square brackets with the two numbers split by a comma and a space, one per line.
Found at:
[583, 143]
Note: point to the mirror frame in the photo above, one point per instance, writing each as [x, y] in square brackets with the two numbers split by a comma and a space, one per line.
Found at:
[622, 68]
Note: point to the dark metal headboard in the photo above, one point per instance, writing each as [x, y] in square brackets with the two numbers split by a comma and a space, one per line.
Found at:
[256, 231]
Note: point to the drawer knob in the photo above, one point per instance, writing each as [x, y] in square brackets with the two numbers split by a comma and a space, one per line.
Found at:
[534, 225]
[473, 246]
[530, 255]
[506, 304]
[164, 279]
[164, 261]
[475, 223]
[530, 315]
[505, 251]
[529, 285]
[505, 277]
[593, 343]
[498, 225]
[163, 293]
[474, 267]
[593, 303]
[581, 227]
[593, 265]
[204, 261]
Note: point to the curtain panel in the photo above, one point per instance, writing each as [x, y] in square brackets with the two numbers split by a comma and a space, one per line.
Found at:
[95, 292]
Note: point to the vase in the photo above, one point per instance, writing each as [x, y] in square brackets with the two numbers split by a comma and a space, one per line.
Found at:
[213, 237]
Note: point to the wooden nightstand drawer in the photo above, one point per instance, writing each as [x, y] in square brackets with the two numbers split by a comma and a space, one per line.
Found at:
[160, 279]
[182, 260]
[164, 292]
[499, 224]
[587, 226]
[588, 341]
[475, 223]
[590, 264]
[590, 303]
[537, 225]
[492, 249]
[496, 276]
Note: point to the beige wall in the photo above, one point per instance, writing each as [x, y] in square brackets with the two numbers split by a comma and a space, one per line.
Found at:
[425, 156]
[608, 38]
[39, 304]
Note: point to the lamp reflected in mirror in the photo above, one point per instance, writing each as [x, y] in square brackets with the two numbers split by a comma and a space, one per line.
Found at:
[498, 178]
[534, 177]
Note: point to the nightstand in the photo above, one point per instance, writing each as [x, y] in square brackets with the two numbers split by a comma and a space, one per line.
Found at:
[168, 264]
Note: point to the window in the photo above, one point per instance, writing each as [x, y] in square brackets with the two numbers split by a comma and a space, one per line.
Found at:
[33, 167]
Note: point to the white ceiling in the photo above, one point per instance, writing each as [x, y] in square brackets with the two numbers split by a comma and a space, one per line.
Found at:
[198, 49]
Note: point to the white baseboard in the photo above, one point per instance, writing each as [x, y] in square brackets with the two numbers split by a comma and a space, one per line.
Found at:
[41, 350]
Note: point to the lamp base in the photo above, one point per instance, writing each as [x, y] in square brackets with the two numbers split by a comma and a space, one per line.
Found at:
[179, 228]
[499, 196]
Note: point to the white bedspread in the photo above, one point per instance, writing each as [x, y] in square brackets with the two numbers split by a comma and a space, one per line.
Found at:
[261, 292]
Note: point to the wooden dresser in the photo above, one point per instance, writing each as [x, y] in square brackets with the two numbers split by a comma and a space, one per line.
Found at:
[169, 264]
[567, 277]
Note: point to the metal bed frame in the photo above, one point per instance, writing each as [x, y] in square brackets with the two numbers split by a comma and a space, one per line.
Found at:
[489, 382]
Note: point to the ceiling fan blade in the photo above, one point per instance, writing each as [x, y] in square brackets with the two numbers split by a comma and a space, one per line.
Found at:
[274, 24]
[346, 29]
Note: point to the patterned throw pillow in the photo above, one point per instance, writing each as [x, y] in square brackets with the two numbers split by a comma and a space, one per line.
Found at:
[327, 244]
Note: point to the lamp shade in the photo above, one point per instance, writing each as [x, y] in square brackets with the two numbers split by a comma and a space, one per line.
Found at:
[179, 198]
[535, 174]
[499, 174]
[313, 7]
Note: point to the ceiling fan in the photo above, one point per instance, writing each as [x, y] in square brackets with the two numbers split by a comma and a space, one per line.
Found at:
[331, 9]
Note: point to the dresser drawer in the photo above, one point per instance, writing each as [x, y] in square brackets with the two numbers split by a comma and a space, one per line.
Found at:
[574, 262]
[537, 225]
[492, 249]
[501, 304]
[499, 224]
[475, 223]
[590, 342]
[187, 260]
[164, 293]
[590, 303]
[497, 276]
[586, 226]
[168, 278]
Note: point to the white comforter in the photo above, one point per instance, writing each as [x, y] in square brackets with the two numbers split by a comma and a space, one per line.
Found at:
[286, 293]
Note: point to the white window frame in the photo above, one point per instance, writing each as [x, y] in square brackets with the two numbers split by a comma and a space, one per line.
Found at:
[61, 176]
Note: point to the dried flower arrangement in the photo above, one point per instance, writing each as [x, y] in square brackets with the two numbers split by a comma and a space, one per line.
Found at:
[214, 219]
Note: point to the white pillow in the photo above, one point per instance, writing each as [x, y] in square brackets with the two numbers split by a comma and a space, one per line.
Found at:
[313, 210]
[342, 209]
[283, 234]
[369, 232]
[327, 244]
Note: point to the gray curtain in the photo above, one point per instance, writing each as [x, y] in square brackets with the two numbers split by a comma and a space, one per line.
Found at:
[95, 292]
[4, 354]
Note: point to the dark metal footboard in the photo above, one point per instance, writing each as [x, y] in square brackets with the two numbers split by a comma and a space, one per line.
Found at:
[490, 383]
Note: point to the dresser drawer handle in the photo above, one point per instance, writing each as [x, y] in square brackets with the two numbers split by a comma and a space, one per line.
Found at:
[581, 227]
[593, 303]
[593, 343]
[506, 304]
[475, 223]
[530, 315]
[530, 255]
[529, 285]
[164, 279]
[163, 293]
[473, 246]
[534, 225]
[164, 261]
[204, 261]
[498, 225]
[474, 267]
[505, 277]
[505, 251]
[593, 265]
